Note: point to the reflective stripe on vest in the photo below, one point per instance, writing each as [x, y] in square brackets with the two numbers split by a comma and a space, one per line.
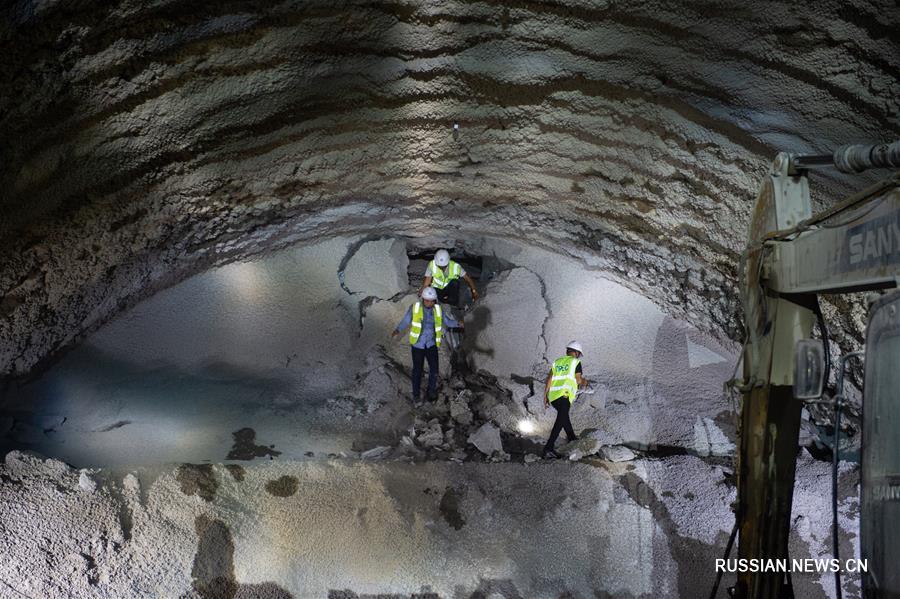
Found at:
[562, 381]
[415, 327]
[439, 280]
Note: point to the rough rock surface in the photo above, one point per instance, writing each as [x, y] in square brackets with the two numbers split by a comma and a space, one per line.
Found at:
[598, 144]
[648, 528]
[486, 439]
[617, 453]
[377, 269]
[153, 140]
[580, 448]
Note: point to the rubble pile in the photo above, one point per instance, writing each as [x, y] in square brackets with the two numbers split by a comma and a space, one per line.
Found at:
[379, 382]
[475, 417]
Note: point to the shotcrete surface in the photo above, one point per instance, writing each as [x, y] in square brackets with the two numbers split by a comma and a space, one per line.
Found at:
[647, 528]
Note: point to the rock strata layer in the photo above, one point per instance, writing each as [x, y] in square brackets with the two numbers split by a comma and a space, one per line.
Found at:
[153, 140]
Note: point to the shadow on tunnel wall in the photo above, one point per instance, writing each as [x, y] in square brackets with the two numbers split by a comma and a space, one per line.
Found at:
[478, 320]
[213, 570]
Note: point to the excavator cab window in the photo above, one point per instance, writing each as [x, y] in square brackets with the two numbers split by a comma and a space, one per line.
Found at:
[880, 493]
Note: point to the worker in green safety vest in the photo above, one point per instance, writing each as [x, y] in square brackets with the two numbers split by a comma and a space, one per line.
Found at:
[443, 274]
[560, 389]
[426, 320]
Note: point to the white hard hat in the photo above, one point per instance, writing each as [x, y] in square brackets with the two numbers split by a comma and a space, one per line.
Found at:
[576, 346]
[442, 258]
[429, 293]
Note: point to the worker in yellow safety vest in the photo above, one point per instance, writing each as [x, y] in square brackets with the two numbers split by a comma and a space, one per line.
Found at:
[560, 389]
[426, 320]
[443, 274]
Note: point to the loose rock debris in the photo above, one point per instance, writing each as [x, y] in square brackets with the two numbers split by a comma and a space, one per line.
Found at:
[473, 418]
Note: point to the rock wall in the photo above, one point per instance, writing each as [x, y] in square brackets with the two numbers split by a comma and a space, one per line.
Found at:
[151, 141]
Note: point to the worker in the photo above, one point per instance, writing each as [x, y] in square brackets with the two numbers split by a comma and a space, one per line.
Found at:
[560, 389]
[443, 274]
[426, 321]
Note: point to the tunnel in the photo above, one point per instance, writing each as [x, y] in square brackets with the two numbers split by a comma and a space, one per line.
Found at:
[214, 215]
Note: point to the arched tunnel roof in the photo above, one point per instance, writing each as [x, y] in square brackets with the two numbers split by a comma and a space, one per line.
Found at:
[145, 142]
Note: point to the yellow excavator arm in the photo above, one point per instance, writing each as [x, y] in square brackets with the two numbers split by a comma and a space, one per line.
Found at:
[793, 255]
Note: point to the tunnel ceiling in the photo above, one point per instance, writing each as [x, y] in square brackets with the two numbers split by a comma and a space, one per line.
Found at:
[143, 143]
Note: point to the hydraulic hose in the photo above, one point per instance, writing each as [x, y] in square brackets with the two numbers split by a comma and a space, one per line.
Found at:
[838, 403]
[837, 428]
[854, 158]
[834, 481]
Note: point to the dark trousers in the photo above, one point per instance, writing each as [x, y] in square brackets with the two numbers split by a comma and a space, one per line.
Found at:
[418, 360]
[450, 294]
[561, 405]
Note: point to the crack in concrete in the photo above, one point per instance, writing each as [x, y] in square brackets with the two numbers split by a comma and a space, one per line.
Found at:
[351, 252]
[525, 380]
[546, 305]
[364, 303]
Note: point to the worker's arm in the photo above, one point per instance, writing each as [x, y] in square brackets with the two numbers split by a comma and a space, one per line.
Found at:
[426, 282]
[403, 324]
[451, 322]
[471, 285]
[582, 382]
[547, 389]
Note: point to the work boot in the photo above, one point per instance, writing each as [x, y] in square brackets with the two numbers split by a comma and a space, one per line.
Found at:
[549, 454]
[432, 397]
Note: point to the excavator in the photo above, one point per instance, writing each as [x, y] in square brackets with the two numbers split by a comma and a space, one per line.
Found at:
[792, 257]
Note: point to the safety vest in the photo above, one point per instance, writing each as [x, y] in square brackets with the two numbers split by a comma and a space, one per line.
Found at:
[415, 328]
[439, 280]
[562, 381]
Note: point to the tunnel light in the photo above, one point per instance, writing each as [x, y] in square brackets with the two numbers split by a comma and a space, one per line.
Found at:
[526, 427]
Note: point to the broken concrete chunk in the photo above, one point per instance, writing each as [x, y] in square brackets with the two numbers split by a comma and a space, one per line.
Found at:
[606, 437]
[431, 438]
[486, 439]
[520, 392]
[86, 483]
[500, 456]
[580, 448]
[459, 408]
[530, 458]
[132, 484]
[378, 268]
[504, 416]
[376, 453]
[617, 453]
